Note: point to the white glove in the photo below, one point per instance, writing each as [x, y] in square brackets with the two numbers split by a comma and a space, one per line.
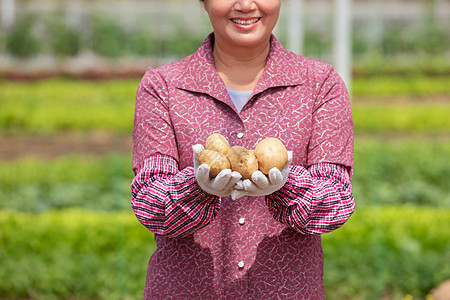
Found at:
[221, 185]
[262, 185]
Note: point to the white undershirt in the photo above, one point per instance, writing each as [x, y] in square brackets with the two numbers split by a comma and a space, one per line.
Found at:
[239, 98]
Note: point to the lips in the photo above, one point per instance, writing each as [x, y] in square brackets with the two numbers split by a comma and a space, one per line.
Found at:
[245, 21]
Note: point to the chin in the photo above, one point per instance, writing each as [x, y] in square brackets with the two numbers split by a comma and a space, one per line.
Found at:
[250, 40]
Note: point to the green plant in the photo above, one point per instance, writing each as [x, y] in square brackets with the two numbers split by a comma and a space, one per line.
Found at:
[106, 36]
[396, 39]
[80, 254]
[70, 181]
[142, 43]
[63, 40]
[360, 43]
[375, 65]
[21, 40]
[398, 86]
[317, 43]
[3, 37]
[182, 44]
[394, 250]
[416, 117]
[433, 37]
[59, 105]
[73, 254]
[401, 171]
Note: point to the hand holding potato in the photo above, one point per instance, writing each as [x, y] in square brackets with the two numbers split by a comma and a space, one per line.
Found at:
[220, 167]
[262, 185]
[220, 185]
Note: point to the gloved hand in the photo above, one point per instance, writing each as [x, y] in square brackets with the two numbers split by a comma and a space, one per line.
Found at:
[221, 185]
[260, 184]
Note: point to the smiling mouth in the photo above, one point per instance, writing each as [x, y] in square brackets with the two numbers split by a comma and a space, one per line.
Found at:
[245, 22]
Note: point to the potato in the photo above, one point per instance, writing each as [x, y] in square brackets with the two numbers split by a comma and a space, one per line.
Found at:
[217, 142]
[215, 160]
[271, 152]
[242, 161]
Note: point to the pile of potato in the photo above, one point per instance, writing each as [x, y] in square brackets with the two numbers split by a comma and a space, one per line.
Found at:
[219, 155]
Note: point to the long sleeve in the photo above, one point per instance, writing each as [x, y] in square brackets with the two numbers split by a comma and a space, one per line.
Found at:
[168, 201]
[153, 131]
[315, 200]
[332, 135]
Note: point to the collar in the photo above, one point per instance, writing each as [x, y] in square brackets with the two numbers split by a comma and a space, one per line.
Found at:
[283, 68]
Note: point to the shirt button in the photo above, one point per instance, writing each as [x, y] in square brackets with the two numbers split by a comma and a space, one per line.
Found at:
[241, 264]
[240, 135]
[242, 221]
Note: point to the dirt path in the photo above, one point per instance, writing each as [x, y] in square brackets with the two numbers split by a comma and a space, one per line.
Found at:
[47, 147]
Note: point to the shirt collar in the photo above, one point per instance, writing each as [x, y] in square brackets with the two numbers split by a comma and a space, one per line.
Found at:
[282, 69]
[200, 74]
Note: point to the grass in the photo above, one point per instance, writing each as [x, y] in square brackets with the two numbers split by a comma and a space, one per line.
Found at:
[59, 105]
[81, 254]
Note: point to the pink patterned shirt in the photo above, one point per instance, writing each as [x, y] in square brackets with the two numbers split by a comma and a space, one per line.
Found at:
[255, 247]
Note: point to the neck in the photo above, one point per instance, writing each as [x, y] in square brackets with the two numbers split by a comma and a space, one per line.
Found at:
[240, 67]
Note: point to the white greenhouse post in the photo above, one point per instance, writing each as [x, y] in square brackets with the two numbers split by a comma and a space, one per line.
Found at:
[343, 40]
[295, 27]
[8, 13]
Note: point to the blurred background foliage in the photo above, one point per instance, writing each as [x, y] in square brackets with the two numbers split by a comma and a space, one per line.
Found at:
[67, 230]
[34, 34]
[386, 36]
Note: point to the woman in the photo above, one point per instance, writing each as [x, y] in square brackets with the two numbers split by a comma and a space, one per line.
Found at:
[241, 83]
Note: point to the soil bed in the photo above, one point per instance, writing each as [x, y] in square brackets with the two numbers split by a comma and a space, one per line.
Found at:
[47, 147]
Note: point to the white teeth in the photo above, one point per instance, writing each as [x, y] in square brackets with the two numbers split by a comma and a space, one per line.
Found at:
[245, 22]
